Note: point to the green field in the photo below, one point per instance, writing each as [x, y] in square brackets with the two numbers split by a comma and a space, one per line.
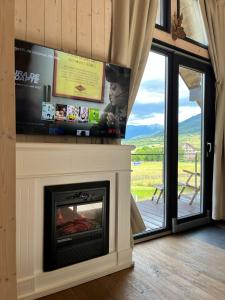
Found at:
[149, 155]
[148, 174]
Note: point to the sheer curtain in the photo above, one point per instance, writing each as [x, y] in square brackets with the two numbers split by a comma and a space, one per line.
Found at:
[213, 12]
[133, 23]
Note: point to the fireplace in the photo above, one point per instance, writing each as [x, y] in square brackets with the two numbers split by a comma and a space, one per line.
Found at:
[76, 223]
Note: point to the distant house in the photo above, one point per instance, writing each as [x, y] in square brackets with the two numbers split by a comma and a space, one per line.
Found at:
[189, 151]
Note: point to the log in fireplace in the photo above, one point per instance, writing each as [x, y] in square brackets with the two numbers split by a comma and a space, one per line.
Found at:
[76, 223]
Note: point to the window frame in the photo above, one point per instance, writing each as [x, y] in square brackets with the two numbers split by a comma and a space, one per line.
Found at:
[205, 67]
[190, 40]
[166, 9]
[175, 55]
[139, 237]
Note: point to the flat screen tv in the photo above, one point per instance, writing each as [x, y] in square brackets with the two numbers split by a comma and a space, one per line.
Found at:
[58, 93]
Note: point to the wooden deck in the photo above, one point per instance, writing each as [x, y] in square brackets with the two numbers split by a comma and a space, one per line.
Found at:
[153, 213]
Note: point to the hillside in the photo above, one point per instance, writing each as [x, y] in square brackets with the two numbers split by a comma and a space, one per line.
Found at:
[189, 131]
[191, 125]
[142, 130]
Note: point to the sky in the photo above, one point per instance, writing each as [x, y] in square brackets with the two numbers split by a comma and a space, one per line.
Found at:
[149, 105]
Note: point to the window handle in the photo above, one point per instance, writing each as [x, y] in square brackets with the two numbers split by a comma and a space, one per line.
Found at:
[209, 148]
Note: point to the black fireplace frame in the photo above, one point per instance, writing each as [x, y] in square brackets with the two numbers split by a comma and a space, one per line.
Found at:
[50, 247]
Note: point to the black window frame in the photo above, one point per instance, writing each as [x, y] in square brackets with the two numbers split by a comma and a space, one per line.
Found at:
[171, 131]
[166, 9]
[190, 40]
[204, 66]
[157, 48]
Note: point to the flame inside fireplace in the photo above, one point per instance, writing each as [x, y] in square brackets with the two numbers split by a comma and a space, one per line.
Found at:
[70, 221]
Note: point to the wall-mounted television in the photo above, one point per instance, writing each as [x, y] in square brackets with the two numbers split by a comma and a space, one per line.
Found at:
[59, 93]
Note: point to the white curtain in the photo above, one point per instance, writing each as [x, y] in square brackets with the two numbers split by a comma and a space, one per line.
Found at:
[133, 23]
[213, 12]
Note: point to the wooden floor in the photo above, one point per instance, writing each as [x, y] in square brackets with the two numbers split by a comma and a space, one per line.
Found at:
[183, 266]
[153, 213]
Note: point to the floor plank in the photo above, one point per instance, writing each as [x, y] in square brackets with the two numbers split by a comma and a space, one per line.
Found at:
[183, 266]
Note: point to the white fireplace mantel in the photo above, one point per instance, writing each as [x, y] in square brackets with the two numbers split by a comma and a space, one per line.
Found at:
[39, 165]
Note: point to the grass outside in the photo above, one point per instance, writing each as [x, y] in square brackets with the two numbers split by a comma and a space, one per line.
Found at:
[147, 174]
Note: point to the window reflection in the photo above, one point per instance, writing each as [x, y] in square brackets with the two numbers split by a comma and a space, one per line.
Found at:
[191, 106]
[192, 21]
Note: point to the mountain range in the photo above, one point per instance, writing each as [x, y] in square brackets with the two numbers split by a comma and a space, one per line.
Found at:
[189, 126]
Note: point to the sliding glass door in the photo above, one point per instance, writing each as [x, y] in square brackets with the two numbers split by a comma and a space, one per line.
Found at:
[172, 127]
[146, 129]
[193, 123]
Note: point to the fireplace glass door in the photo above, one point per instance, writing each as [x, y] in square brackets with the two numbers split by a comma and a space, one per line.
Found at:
[79, 218]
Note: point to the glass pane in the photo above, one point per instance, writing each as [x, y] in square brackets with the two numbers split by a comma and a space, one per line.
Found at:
[78, 218]
[191, 105]
[146, 126]
[160, 13]
[192, 21]
[159, 16]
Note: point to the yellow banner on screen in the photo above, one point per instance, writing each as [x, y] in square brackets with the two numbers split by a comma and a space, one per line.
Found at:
[78, 77]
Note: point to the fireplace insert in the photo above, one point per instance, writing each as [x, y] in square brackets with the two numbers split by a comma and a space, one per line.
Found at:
[76, 223]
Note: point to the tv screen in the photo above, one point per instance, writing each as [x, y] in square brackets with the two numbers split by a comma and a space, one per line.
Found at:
[58, 93]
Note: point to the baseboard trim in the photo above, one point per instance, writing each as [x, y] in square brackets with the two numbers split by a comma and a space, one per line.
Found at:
[25, 286]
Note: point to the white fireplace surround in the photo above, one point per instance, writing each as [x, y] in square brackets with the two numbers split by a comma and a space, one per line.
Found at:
[39, 165]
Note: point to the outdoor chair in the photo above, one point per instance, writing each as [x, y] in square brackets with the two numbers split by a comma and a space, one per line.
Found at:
[187, 184]
[160, 188]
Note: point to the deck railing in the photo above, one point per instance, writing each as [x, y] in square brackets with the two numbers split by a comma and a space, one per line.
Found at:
[148, 171]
